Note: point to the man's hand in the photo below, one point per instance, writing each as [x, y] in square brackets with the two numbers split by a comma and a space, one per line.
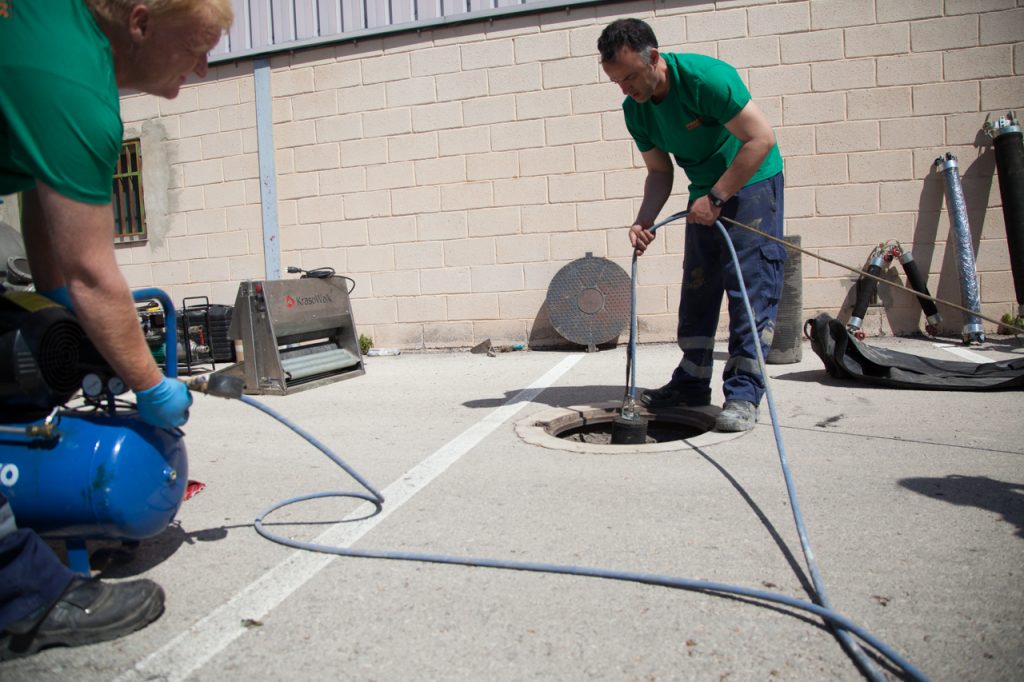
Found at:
[640, 237]
[166, 404]
[702, 212]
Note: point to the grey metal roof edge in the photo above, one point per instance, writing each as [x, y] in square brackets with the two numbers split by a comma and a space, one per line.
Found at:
[542, 6]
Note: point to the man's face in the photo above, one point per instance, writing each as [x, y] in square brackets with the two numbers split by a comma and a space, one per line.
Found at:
[634, 77]
[171, 50]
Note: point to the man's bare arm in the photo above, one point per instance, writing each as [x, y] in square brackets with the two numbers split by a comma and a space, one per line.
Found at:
[71, 244]
[657, 186]
[752, 128]
[657, 189]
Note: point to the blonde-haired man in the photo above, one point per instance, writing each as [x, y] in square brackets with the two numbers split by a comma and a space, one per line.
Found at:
[62, 63]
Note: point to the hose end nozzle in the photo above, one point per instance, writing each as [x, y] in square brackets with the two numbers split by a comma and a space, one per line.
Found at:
[220, 385]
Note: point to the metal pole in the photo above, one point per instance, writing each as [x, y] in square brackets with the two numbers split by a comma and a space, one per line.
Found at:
[268, 173]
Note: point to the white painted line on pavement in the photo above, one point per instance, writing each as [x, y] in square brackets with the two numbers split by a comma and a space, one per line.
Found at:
[964, 353]
[191, 649]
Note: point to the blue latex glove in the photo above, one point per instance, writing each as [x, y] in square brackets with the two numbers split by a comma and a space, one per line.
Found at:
[166, 404]
[58, 295]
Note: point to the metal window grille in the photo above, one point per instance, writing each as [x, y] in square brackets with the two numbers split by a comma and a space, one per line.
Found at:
[128, 203]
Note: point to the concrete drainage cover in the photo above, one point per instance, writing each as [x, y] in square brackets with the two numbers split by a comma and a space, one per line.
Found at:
[540, 427]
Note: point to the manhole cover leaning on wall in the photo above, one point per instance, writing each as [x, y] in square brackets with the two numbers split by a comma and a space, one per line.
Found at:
[588, 301]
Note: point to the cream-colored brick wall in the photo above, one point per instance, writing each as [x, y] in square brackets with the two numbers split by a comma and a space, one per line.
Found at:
[453, 172]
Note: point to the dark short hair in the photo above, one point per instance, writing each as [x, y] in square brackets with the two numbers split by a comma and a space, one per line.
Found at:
[632, 33]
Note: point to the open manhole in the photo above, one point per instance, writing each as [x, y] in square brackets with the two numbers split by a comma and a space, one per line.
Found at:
[658, 431]
[588, 428]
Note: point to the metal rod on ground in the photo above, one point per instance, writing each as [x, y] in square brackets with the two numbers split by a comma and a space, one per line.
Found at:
[961, 230]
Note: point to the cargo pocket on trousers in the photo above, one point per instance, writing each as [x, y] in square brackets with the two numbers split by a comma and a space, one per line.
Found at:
[773, 256]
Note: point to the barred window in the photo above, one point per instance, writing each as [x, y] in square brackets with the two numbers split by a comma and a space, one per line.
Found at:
[129, 206]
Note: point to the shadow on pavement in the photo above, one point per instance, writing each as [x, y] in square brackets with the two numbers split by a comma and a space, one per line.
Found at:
[1000, 497]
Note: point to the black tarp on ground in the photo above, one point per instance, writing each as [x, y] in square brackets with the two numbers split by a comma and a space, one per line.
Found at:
[847, 358]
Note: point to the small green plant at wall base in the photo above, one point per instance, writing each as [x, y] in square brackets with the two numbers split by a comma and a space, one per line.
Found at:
[365, 343]
[1011, 321]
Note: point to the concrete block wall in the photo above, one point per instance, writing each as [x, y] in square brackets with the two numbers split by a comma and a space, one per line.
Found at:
[451, 173]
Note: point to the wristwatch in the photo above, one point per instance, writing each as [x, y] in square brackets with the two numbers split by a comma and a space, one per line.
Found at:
[715, 200]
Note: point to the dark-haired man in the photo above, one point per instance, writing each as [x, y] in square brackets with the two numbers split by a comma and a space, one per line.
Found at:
[697, 110]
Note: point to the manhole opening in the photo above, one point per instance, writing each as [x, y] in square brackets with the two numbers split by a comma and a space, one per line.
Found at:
[588, 428]
[600, 432]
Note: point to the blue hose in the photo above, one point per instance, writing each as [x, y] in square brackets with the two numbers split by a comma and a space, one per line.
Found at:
[851, 646]
[845, 628]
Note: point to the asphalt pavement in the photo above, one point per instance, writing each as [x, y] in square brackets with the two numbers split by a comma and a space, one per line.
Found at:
[913, 501]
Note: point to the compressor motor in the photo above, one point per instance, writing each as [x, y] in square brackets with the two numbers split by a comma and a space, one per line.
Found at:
[44, 354]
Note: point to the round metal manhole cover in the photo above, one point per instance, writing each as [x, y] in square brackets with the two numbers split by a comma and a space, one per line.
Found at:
[588, 301]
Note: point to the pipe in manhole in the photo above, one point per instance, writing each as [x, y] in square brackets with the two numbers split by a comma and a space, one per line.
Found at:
[588, 428]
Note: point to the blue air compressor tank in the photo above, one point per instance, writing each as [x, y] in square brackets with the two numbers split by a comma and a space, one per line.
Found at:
[102, 476]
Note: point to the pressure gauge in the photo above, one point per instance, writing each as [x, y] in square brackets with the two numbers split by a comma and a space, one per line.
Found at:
[92, 385]
[116, 386]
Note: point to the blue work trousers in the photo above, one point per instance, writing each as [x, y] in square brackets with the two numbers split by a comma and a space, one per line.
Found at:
[31, 576]
[708, 271]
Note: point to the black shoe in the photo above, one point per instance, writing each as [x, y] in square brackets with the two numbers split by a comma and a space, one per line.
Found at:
[88, 612]
[671, 395]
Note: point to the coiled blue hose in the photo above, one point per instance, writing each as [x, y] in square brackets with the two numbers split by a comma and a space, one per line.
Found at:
[845, 628]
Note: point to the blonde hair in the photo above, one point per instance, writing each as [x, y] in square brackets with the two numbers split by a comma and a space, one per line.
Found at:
[219, 11]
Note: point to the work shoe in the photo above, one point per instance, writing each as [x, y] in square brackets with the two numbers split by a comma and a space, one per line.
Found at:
[672, 395]
[736, 415]
[88, 612]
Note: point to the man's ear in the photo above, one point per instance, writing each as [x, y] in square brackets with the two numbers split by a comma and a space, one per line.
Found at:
[138, 23]
[655, 56]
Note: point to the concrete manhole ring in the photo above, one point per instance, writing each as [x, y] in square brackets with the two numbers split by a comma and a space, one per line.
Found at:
[542, 428]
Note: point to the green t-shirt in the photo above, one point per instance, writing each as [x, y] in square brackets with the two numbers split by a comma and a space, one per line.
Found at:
[703, 95]
[60, 118]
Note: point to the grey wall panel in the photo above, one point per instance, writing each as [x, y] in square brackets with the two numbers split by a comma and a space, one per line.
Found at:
[452, 7]
[403, 11]
[306, 19]
[329, 14]
[352, 15]
[266, 26]
[283, 18]
[378, 13]
[261, 23]
[427, 9]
